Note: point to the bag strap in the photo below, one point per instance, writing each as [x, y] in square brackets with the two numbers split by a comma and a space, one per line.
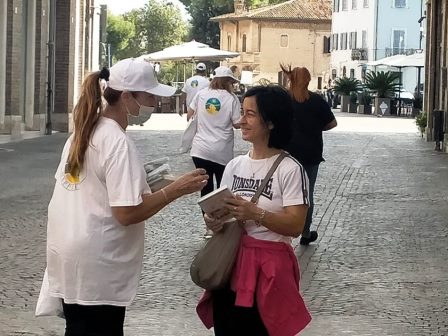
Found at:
[265, 181]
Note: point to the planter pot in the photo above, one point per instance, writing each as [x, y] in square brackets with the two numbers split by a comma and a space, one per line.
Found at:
[345, 102]
[382, 106]
[364, 109]
[352, 108]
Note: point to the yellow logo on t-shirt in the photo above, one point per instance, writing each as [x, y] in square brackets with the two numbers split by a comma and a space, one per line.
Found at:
[71, 181]
[213, 105]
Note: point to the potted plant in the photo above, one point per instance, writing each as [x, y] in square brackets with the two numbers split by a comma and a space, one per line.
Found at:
[365, 101]
[384, 85]
[421, 120]
[344, 87]
[353, 100]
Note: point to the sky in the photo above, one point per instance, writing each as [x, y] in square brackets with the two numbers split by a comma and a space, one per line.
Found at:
[120, 6]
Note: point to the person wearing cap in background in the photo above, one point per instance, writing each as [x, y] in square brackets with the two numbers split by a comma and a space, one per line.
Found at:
[194, 84]
[218, 111]
[95, 232]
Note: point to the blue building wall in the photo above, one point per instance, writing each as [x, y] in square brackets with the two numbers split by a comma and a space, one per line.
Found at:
[390, 18]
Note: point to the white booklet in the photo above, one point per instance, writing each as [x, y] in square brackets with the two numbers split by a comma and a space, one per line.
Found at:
[213, 203]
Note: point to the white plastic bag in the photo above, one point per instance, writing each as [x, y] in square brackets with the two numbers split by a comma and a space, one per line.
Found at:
[189, 133]
[48, 305]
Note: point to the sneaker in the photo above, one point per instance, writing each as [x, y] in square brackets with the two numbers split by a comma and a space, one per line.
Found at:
[208, 234]
[307, 240]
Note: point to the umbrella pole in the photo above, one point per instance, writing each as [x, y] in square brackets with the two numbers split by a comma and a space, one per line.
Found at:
[419, 78]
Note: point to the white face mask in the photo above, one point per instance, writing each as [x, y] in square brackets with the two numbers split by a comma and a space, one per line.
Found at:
[144, 113]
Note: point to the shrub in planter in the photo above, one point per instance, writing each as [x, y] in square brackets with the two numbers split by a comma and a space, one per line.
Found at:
[421, 121]
[344, 87]
[384, 85]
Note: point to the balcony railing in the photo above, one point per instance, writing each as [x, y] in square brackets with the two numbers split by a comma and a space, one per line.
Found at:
[399, 51]
[360, 54]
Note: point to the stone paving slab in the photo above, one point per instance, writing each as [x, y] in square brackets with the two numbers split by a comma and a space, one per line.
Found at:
[378, 268]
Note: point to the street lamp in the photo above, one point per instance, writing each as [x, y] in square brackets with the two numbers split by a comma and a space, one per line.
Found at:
[421, 31]
[419, 75]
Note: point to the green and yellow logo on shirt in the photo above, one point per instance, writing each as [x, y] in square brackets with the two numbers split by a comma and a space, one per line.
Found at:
[194, 83]
[213, 105]
[70, 181]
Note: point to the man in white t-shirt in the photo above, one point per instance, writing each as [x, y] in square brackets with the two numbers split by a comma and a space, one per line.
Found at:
[194, 84]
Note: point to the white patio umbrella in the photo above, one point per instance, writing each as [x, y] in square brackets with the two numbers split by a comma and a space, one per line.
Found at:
[386, 60]
[193, 51]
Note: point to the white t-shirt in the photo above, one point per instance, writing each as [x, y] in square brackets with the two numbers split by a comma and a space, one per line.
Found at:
[288, 186]
[216, 112]
[91, 258]
[193, 85]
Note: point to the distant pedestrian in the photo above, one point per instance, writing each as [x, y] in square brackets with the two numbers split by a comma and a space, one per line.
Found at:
[218, 111]
[329, 93]
[194, 84]
[312, 116]
[95, 232]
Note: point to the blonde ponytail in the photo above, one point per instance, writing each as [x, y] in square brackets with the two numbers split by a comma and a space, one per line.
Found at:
[86, 115]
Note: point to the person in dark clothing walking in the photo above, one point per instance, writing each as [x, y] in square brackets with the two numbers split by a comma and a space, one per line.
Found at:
[312, 116]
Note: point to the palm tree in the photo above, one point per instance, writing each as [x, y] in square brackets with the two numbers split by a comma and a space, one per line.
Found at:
[382, 83]
[345, 86]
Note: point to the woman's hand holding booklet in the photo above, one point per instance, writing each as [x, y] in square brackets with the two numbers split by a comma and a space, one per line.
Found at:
[214, 205]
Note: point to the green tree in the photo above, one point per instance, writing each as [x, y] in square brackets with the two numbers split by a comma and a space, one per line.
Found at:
[120, 33]
[159, 24]
[201, 11]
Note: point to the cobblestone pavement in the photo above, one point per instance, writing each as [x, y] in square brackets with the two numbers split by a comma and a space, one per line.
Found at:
[378, 268]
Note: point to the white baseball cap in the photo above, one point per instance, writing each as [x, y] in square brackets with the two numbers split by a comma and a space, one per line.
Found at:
[224, 71]
[201, 67]
[136, 75]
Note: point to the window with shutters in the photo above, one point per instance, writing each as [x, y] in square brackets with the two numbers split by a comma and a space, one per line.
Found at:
[344, 41]
[365, 3]
[398, 41]
[354, 4]
[284, 41]
[327, 46]
[335, 5]
[352, 73]
[344, 5]
[364, 39]
[352, 42]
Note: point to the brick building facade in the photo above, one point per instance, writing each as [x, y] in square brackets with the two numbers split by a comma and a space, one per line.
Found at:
[25, 30]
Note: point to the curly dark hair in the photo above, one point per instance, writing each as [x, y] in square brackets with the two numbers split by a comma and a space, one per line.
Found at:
[275, 106]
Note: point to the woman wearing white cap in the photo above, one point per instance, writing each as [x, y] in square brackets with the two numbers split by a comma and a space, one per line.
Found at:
[101, 199]
[218, 111]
